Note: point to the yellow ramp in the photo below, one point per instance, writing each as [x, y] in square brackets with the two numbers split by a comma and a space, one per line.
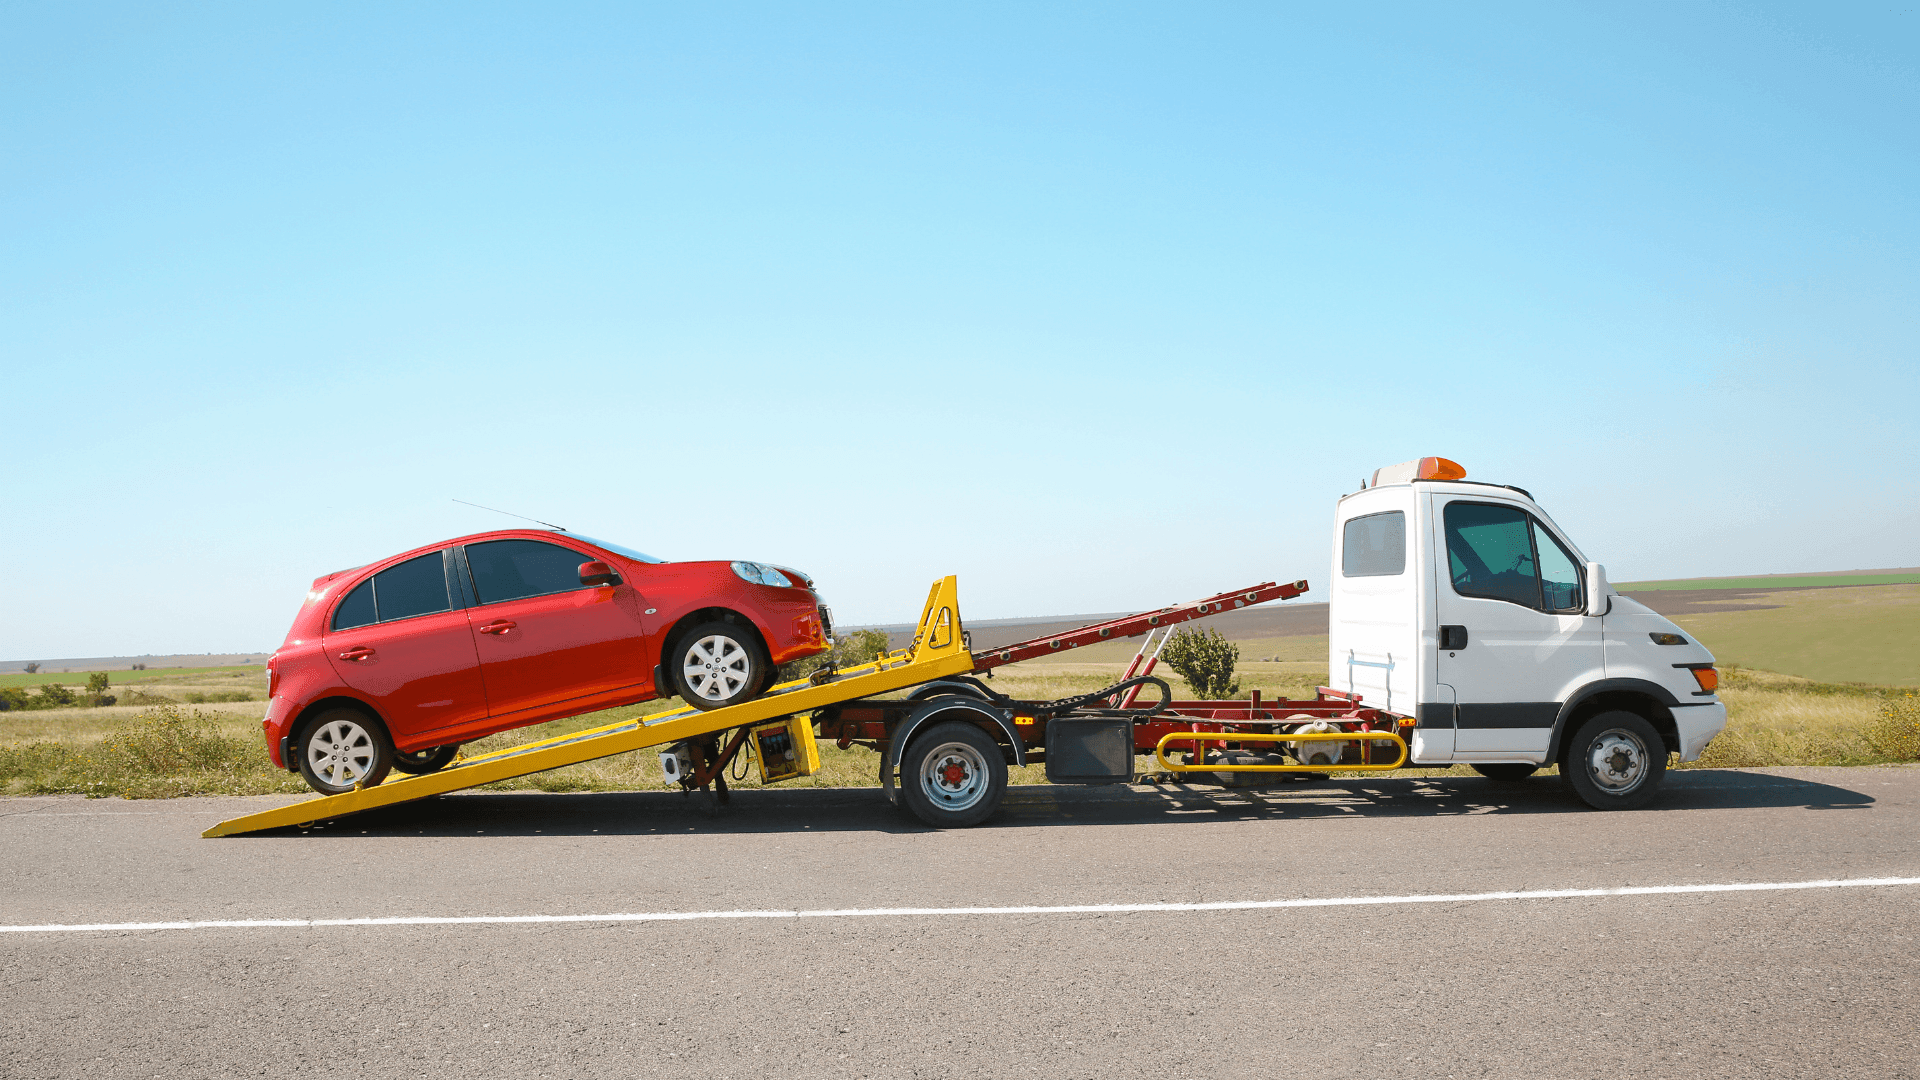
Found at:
[938, 650]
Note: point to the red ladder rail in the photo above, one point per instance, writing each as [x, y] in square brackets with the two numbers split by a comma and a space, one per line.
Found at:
[1115, 629]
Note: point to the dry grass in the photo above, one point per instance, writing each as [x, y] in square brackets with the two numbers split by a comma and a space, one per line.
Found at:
[217, 749]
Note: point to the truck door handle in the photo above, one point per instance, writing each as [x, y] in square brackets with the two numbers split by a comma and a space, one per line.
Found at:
[1453, 637]
[498, 626]
[358, 652]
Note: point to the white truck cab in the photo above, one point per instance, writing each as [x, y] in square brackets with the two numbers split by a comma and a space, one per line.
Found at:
[1462, 605]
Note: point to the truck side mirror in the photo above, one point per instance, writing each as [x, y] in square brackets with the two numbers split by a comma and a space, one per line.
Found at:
[599, 573]
[1597, 600]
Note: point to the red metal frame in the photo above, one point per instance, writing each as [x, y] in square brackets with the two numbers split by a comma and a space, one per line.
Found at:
[1116, 629]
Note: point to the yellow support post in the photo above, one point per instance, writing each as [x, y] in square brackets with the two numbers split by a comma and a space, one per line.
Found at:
[938, 651]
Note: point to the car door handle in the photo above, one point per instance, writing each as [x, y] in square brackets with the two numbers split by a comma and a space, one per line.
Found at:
[1453, 637]
[498, 626]
[358, 652]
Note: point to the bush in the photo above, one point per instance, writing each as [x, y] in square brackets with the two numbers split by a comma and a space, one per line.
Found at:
[849, 650]
[161, 753]
[1205, 660]
[31, 668]
[97, 683]
[141, 697]
[53, 695]
[1897, 732]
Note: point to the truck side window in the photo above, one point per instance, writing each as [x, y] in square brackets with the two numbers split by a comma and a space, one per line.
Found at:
[1490, 553]
[1374, 545]
[511, 569]
[1560, 588]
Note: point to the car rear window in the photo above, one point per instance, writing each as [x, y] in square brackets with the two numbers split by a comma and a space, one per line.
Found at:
[510, 569]
[415, 587]
[357, 609]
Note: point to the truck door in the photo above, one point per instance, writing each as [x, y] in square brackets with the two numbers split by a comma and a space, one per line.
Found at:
[1514, 640]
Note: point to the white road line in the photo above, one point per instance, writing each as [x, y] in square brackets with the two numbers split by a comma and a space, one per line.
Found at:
[1059, 909]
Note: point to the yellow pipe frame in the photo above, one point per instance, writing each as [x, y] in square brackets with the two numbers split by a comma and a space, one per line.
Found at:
[1160, 750]
[938, 650]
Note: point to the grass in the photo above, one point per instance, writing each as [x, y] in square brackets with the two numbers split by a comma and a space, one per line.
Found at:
[1866, 635]
[216, 749]
[124, 678]
[1781, 582]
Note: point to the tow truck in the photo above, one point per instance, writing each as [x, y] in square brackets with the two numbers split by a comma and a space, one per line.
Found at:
[1464, 625]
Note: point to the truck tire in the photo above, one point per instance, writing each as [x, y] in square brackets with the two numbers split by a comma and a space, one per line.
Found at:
[953, 775]
[1507, 772]
[718, 664]
[343, 749]
[1615, 761]
[422, 762]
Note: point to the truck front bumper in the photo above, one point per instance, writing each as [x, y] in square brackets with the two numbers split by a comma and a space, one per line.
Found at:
[1698, 724]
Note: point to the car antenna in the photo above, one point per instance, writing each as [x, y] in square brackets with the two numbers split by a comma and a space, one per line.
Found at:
[522, 517]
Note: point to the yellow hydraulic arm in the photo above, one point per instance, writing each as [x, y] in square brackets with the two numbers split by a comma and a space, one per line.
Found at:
[938, 650]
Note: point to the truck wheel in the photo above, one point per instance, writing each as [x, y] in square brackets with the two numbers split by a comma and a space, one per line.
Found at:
[343, 749]
[717, 664]
[1615, 762]
[422, 762]
[953, 775]
[1507, 772]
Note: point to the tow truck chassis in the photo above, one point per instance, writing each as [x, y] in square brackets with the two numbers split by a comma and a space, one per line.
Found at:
[1092, 738]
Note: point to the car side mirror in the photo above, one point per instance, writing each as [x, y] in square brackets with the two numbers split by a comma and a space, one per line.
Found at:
[1597, 600]
[597, 573]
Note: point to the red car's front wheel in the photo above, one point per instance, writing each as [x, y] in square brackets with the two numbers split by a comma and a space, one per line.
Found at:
[718, 664]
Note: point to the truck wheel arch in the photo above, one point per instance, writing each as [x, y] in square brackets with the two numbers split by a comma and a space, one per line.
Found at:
[940, 709]
[1649, 700]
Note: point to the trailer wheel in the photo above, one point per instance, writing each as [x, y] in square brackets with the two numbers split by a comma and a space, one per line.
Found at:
[953, 775]
[1507, 772]
[422, 762]
[717, 664]
[1615, 762]
[342, 749]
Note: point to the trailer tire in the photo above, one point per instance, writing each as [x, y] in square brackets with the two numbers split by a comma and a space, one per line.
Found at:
[1506, 772]
[953, 775]
[422, 762]
[343, 749]
[727, 661]
[1615, 761]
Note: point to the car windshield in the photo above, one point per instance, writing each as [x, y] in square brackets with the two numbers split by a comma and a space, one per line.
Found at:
[618, 549]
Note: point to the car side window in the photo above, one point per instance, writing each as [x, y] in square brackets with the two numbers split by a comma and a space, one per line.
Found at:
[357, 609]
[1560, 586]
[511, 569]
[1374, 545]
[415, 587]
[1490, 553]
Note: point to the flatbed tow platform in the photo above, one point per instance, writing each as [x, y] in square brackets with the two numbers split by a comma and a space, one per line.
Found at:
[951, 739]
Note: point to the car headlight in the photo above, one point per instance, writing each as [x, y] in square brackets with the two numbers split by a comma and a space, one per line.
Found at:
[761, 574]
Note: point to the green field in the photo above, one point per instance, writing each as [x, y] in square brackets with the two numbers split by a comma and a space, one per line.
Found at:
[123, 678]
[1770, 582]
[1868, 634]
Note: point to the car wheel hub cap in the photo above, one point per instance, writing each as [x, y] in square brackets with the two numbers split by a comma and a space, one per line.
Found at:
[341, 753]
[717, 667]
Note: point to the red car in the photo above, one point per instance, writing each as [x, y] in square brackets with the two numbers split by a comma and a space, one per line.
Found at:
[397, 663]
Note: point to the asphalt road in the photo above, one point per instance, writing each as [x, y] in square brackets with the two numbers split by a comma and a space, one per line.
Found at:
[1817, 982]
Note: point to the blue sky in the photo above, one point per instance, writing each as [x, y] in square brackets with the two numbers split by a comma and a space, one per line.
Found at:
[1099, 307]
